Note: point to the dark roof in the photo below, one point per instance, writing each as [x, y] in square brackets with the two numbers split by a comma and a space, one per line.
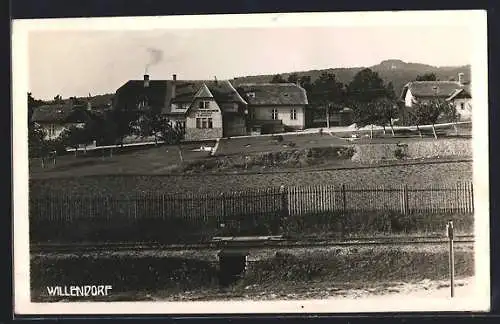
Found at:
[435, 89]
[59, 113]
[273, 93]
[222, 91]
[159, 93]
[128, 95]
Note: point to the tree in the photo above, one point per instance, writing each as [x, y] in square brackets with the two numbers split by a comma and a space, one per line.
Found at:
[366, 113]
[37, 145]
[386, 110]
[153, 124]
[430, 111]
[293, 78]
[366, 86]
[75, 136]
[372, 101]
[326, 93]
[305, 82]
[32, 104]
[277, 78]
[123, 123]
[390, 90]
[426, 77]
[57, 99]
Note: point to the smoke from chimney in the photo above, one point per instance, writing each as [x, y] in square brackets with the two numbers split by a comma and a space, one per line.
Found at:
[156, 56]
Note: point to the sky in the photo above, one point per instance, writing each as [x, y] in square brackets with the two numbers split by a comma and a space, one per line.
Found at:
[76, 63]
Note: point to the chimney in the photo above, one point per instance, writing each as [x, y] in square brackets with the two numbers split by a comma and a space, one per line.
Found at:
[174, 81]
[461, 78]
[89, 103]
[215, 79]
[146, 80]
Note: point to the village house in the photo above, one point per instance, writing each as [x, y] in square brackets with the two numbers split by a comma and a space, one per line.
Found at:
[274, 107]
[205, 109]
[456, 92]
[209, 109]
[55, 118]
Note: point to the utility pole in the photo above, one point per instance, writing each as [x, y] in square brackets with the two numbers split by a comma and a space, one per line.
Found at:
[449, 232]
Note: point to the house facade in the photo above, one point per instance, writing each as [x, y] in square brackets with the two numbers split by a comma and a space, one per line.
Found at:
[204, 109]
[55, 118]
[455, 92]
[209, 109]
[274, 107]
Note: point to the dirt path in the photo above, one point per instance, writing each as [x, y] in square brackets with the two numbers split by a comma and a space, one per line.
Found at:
[331, 291]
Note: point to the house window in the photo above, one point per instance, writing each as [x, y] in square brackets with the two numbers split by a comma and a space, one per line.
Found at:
[203, 123]
[293, 114]
[204, 105]
[274, 114]
[142, 104]
[462, 106]
[52, 130]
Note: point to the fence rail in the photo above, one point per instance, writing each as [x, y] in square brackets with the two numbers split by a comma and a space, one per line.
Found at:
[349, 208]
[285, 201]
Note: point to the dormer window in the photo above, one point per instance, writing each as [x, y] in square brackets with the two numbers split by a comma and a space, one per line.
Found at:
[204, 105]
[251, 94]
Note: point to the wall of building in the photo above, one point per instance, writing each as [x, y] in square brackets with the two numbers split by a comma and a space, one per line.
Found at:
[465, 113]
[57, 129]
[195, 133]
[234, 125]
[408, 99]
[284, 114]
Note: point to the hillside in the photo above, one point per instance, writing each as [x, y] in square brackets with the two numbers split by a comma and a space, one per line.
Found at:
[395, 71]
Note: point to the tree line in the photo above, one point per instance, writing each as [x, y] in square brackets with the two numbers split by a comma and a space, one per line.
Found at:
[372, 101]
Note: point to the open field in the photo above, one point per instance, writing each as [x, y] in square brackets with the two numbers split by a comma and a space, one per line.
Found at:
[417, 175]
[290, 274]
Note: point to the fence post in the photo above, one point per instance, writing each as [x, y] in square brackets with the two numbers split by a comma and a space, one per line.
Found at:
[404, 199]
[344, 212]
[471, 196]
[283, 224]
[223, 211]
[449, 232]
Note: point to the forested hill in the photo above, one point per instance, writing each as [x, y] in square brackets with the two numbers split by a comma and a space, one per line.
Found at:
[395, 71]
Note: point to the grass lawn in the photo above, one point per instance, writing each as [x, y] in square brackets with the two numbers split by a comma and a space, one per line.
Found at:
[146, 160]
[248, 145]
[163, 159]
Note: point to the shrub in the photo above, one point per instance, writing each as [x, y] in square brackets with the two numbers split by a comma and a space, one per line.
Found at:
[401, 151]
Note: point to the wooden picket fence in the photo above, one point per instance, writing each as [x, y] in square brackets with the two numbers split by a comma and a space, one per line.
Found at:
[263, 204]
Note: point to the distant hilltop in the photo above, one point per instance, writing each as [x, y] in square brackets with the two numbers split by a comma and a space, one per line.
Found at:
[393, 70]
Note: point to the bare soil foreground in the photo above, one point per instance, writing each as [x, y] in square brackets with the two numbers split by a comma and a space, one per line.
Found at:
[295, 273]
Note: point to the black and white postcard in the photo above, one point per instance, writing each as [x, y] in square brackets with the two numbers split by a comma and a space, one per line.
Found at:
[253, 163]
